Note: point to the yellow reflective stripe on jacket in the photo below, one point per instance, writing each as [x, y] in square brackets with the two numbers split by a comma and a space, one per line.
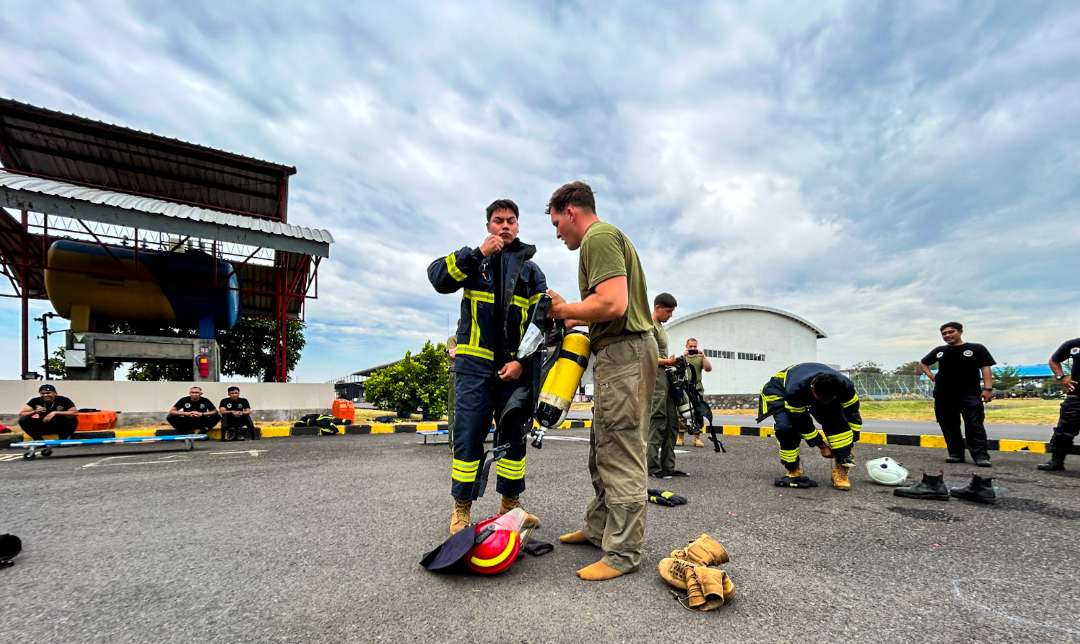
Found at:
[464, 471]
[475, 351]
[451, 267]
[794, 410]
[480, 296]
[843, 439]
[854, 427]
[524, 304]
[512, 470]
[854, 399]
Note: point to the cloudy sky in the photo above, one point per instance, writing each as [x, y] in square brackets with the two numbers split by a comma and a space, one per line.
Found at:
[877, 168]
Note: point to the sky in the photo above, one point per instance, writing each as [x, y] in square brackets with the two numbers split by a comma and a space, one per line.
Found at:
[877, 168]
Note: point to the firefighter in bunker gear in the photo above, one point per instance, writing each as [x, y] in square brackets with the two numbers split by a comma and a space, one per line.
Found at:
[500, 285]
[806, 390]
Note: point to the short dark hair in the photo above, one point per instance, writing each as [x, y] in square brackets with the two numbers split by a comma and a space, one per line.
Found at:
[232, 389]
[502, 204]
[827, 385]
[577, 193]
[666, 300]
[46, 387]
[956, 325]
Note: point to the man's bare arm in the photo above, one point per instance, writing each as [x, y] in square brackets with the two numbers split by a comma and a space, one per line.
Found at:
[608, 301]
[926, 370]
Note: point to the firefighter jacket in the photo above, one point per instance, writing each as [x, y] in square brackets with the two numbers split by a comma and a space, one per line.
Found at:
[789, 390]
[499, 294]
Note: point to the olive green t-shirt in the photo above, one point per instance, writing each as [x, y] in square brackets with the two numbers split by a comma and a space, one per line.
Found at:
[605, 253]
[695, 364]
[661, 339]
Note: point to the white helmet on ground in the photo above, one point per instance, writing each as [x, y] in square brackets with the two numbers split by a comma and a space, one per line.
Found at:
[886, 471]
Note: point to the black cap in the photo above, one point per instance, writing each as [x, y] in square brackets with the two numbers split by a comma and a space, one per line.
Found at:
[46, 387]
[233, 388]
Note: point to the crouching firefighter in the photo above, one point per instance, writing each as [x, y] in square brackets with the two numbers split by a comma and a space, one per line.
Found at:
[500, 285]
[795, 394]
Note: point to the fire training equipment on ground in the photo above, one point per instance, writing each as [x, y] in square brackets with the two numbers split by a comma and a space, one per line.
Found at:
[689, 402]
[886, 471]
[497, 543]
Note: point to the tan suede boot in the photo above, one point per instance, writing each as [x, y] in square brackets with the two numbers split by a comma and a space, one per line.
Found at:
[840, 479]
[511, 502]
[716, 587]
[599, 571]
[675, 571]
[706, 588]
[679, 441]
[461, 516]
[698, 442]
[795, 473]
[704, 550]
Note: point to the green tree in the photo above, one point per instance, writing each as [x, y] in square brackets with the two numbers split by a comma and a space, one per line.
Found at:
[247, 350]
[908, 369]
[867, 367]
[1006, 378]
[414, 382]
[57, 368]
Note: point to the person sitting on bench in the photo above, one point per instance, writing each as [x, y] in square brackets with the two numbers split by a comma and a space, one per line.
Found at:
[193, 414]
[48, 414]
[236, 416]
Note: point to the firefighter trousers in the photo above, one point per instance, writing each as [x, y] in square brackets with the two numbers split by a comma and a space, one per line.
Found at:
[791, 429]
[479, 400]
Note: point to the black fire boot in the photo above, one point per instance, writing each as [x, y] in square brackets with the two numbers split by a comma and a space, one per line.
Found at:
[932, 487]
[980, 490]
[1057, 460]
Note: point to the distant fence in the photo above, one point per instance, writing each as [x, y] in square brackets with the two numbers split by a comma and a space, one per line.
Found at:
[883, 386]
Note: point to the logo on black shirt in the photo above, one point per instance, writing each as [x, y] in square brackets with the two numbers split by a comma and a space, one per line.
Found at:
[1073, 351]
[187, 405]
[940, 353]
[968, 353]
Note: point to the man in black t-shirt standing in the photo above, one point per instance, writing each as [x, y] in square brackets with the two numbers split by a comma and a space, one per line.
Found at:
[48, 414]
[236, 416]
[193, 414]
[1069, 418]
[957, 392]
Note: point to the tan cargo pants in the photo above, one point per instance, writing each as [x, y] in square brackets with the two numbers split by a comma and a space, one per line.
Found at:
[624, 374]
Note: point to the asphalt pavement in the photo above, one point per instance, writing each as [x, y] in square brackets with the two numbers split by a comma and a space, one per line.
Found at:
[318, 539]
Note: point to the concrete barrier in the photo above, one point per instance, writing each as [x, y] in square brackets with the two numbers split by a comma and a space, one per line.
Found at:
[142, 403]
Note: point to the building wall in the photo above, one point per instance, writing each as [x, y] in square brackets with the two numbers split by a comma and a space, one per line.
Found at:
[781, 340]
[143, 402]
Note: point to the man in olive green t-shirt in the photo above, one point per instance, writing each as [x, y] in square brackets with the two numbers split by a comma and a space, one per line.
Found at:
[661, 454]
[696, 362]
[614, 303]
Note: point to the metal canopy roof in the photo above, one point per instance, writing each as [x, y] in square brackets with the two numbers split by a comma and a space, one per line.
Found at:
[68, 200]
[79, 150]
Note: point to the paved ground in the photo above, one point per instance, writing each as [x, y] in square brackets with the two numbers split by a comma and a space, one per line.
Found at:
[907, 427]
[317, 539]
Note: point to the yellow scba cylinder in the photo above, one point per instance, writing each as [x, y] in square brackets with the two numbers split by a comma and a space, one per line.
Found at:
[562, 379]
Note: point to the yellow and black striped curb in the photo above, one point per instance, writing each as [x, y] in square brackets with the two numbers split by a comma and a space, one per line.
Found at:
[866, 438]
[910, 440]
[286, 431]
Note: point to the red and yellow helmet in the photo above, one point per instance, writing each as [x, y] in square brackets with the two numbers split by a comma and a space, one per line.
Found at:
[498, 543]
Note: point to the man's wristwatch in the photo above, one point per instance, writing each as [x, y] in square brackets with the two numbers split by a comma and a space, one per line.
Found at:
[1059, 378]
[988, 388]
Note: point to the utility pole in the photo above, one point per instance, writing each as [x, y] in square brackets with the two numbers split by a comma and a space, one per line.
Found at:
[44, 319]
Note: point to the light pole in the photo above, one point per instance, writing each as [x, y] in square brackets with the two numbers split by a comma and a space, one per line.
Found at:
[44, 319]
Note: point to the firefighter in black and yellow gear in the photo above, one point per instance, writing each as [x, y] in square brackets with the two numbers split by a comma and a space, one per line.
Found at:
[795, 394]
[501, 286]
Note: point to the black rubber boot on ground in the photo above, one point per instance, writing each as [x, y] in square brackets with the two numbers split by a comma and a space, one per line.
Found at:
[932, 487]
[954, 459]
[980, 490]
[1055, 464]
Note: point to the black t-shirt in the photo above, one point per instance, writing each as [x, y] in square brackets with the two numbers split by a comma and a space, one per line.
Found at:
[240, 404]
[959, 368]
[60, 403]
[186, 404]
[1070, 349]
